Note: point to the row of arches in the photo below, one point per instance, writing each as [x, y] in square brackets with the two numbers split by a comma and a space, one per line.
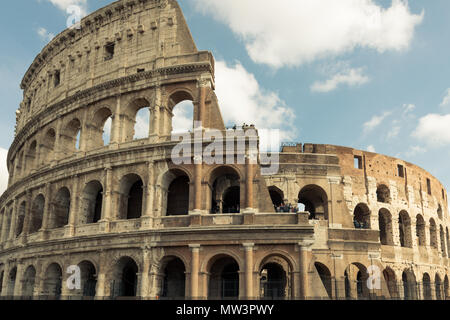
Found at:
[139, 120]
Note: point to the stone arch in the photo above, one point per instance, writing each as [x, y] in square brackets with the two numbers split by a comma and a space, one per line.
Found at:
[426, 286]
[420, 231]
[315, 200]
[31, 156]
[131, 197]
[11, 284]
[385, 226]
[355, 281]
[125, 278]
[433, 234]
[70, 137]
[100, 126]
[20, 218]
[224, 282]
[132, 124]
[442, 237]
[173, 271]
[361, 216]
[2, 275]
[183, 117]
[88, 278]
[60, 209]
[439, 211]
[47, 147]
[446, 288]
[178, 193]
[28, 282]
[8, 221]
[276, 282]
[391, 282]
[226, 192]
[276, 195]
[37, 214]
[447, 236]
[383, 194]
[92, 203]
[52, 284]
[404, 226]
[325, 277]
[438, 286]
[409, 285]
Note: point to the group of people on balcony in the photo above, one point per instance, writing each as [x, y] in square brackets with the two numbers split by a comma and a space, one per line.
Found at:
[289, 208]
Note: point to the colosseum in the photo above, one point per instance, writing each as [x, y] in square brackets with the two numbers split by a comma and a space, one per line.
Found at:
[138, 225]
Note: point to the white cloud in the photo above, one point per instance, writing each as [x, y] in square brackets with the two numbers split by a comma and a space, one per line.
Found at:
[183, 115]
[371, 148]
[394, 131]
[45, 35]
[408, 109]
[446, 101]
[375, 122]
[349, 77]
[142, 126]
[242, 100]
[434, 130]
[415, 150]
[3, 170]
[293, 32]
[65, 4]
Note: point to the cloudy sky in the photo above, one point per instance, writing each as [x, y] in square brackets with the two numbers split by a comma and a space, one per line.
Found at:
[369, 74]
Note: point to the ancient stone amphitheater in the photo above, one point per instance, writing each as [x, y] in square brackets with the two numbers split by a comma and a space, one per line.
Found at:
[138, 225]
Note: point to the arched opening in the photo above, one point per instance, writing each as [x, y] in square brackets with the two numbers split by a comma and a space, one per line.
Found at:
[48, 146]
[174, 280]
[125, 278]
[409, 285]
[315, 200]
[404, 225]
[446, 288]
[61, 209]
[420, 231]
[439, 212]
[226, 191]
[178, 194]
[131, 195]
[142, 125]
[20, 218]
[101, 128]
[438, 287]
[442, 236]
[2, 273]
[383, 194]
[361, 216]
[88, 279]
[224, 279]
[92, 203]
[325, 277]
[385, 225]
[29, 279]
[433, 234]
[277, 197]
[11, 282]
[8, 224]
[70, 137]
[182, 107]
[355, 277]
[31, 156]
[391, 282]
[37, 214]
[53, 282]
[137, 122]
[273, 282]
[426, 284]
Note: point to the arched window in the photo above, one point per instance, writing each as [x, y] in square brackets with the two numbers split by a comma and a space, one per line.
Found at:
[383, 194]
[48, 147]
[420, 230]
[446, 288]
[88, 279]
[409, 285]
[433, 234]
[361, 216]
[53, 281]
[277, 196]
[131, 195]
[224, 279]
[426, 284]
[178, 196]
[101, 128]
[385, 226]
[125, 278]
[142, 126]
[226, 191]
[31, 156]
[37, 214]
[404, 225]
[174, 280]
[137, 122]
[438, 287]
[11, 282]
[70, 138]
[182, 108]
[356, 281]
[442, 236]
[315, 200]
[439, 212]
[61, 209]
[325, 276]
[448, 242]
[28, 282]
[391, 281]
[20, 218]
[92, 203]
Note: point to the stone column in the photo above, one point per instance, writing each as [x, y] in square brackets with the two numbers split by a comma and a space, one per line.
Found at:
[26, 222]
[107, 199]
[57, 147]
[305, 259]
[146, 252]
[4, 284]
[101, 276]
[195, 250]
[147, 222]
[249, 292]
[198, 169]
[12, 230]
[84, 135]
[19, 279]
[249, 183]
[74, 206]
[116, 123]
[47, 207]
[4, 226]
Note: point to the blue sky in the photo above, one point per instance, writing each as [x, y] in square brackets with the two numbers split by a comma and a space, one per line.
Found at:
[372, 75]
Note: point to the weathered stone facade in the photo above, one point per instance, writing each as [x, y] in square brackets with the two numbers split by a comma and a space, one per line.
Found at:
[138, 225]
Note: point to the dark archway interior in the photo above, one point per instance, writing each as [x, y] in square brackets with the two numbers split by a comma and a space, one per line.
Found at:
[174, 283]
[232, 200]
[276, 197]
[61, 209]
[178, 197]
[129, 280]
[92, 203]
[273, 281]
[88, 279]
[325, 276]
[134, 210]
[224, 279]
